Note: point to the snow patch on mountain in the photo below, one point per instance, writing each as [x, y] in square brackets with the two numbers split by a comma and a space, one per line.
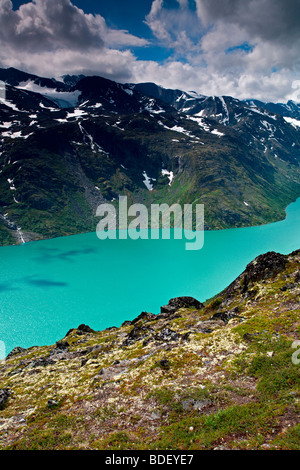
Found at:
[216, 132]
[147, 181]
[226, 118]
[11, 105]
[294, 122]
[152, 107]
[169, 174]
[64, 99]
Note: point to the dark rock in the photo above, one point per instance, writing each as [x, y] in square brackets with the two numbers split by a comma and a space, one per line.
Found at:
[164, 363]
[84, 329]
[288, 286]
[167, 309]
[143, 316]
[4, 396]
[263, 267]
[70, 331]
[91, 349]
[52, 403]
[224, 316]
[161, 316]
[297, 277]
[62, 345]
[185, 336]
[15, 372]
[83, 352]
[181, 302]
[136, 334]
[15, 352]
[43, 362]
[147, 341]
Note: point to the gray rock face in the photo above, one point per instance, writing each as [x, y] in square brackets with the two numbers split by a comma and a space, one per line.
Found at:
[197, 405]
[167, 335]
[263, 267]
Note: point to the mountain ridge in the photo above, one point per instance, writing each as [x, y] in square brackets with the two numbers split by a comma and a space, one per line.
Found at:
[66, 148]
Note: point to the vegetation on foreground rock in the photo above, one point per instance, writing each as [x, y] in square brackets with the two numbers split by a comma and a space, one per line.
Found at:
[221, 375]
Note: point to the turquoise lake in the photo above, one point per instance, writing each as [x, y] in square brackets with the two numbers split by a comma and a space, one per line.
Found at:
[50, 286]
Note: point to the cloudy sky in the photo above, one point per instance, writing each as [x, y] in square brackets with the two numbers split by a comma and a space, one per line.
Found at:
[242, 48]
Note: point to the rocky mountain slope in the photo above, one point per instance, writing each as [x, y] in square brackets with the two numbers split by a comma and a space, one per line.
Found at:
[224, 375]
[67, 146]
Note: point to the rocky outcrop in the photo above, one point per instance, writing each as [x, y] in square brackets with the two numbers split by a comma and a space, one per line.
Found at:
[181, 302]
[4, 396]
[263, 267]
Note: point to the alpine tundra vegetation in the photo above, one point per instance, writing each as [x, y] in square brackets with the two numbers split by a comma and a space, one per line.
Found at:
[223, 374]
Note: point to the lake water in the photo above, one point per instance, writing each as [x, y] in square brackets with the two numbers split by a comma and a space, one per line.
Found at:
[50, 286]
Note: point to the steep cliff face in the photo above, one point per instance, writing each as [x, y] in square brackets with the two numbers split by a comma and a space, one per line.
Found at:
[219, 375]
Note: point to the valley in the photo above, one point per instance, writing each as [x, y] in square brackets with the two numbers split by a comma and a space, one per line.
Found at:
[68, 146]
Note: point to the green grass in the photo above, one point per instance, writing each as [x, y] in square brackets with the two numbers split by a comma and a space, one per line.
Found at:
[204, 432]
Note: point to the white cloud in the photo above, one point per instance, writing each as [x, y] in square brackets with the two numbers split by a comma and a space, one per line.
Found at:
[113, 64]
[176, 28]
[52, 24]
[245, 49]
[228, 47]
[54, 37]
[270, 20]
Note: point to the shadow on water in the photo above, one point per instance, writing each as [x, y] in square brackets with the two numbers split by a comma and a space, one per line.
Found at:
[4, 287]
[41, 283]
[45, 283]
[48, 256]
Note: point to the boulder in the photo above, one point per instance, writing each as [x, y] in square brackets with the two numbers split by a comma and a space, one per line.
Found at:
[223, 316]
[138, 333]
[43, 362]
[84, 329]
[63, 345]
[4, 396]
[263, 267]
[209, 326]
[15, 352]
[143, 316]
[52, 403]
[167, 335]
